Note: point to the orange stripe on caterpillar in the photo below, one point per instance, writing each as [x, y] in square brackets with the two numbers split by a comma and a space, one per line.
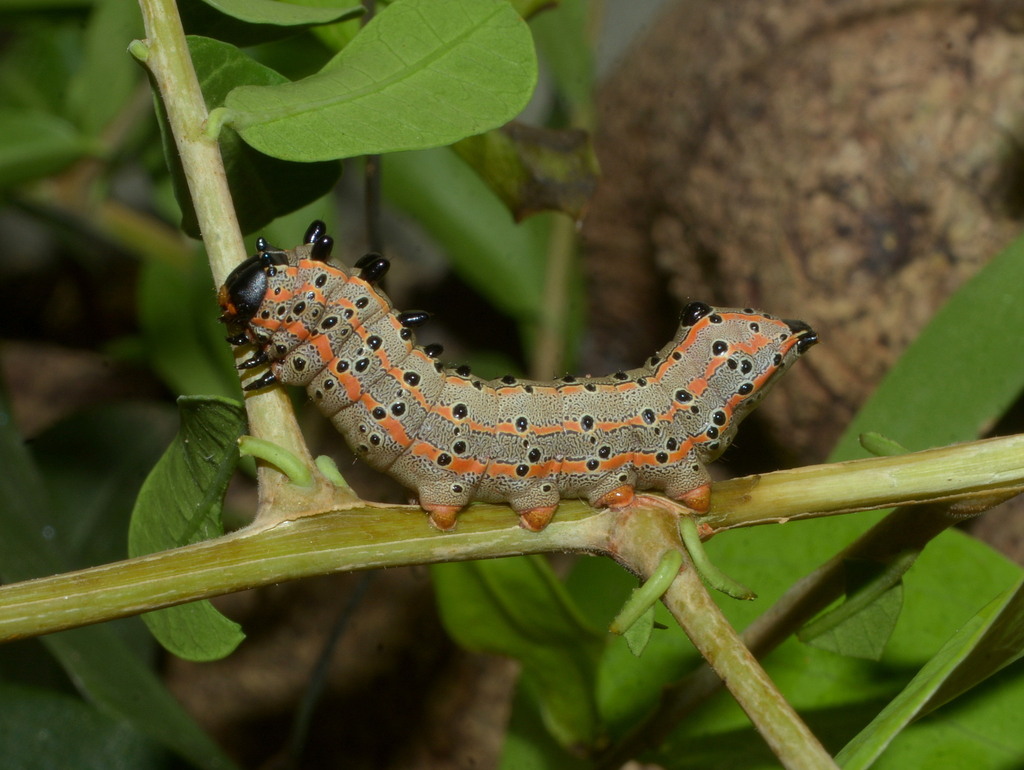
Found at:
[455, 438]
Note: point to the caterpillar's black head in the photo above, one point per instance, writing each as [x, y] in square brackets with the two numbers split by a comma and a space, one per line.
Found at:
[243, 291]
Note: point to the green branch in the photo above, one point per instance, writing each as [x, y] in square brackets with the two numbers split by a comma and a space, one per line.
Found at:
[638, 542]
[367, 537]
[907, 529]
[958, 472]
[165, 54]
[381, 536]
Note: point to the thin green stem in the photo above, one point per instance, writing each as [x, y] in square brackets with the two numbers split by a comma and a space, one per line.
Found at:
[329, 470]
[549, 352]
[635, 542]
[712, 575]
[298, 472]
[169, 63]
[166, 55]
[960, 471]
[881, 445]
[905, 530]
[648, 593]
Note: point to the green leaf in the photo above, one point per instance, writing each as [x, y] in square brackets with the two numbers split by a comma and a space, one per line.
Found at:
[283, 14]
[263, 188]
[529, 745]
[864, 634]
[534, 169]
[39, 5]
[228, 26]
[179, 504]
[1000, 642]
[862, 625]
[183, 338]
[94, 463]
[196, 631]
[336, 36]
[961, 373]
[107, 77]
[639, 634]
[992, 639]
[104, 669]
[422, 73]
[501, 260]
[41, 730]
[35, 144]
[101, 665]
[517, 607]
[36, 62]
[561, 33]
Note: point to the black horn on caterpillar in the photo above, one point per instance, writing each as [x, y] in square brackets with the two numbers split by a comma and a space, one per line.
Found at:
[372, 267]
[413, 318]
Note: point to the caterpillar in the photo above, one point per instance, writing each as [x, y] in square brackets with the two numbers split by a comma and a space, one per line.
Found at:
[454, 438]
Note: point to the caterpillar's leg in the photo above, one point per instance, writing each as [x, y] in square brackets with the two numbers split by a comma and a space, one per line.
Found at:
[697, 499]
[444, 517]
[535, 519]
[621, 497]
[678, 509]
[683, 505]
[691, 486]
[442, 502]
[615, 491]
[536, 504]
